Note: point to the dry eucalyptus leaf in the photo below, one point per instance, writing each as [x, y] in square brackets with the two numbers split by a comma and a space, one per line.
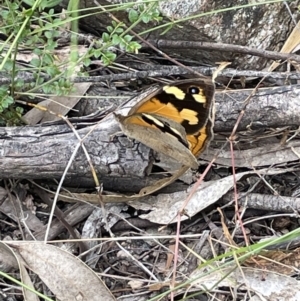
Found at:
[65, 275]
[58, 104]
[291, 45]
[164, 207]
[28, 295]
[266, 284]
[63, 104]
[62, 56]
[9, 261]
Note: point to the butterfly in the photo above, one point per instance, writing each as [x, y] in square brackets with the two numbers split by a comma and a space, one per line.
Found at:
[175, 119]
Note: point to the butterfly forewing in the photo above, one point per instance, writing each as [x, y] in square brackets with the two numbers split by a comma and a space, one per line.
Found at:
[182, 111]
[186, 102]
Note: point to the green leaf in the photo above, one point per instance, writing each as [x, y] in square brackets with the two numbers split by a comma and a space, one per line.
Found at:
[40, 22]
[48, 34]
[96, 53]
[14, 6]
[8, 66]
[146, 18]
[133, 15]
[47, 89]
[29, 42]
[35, 62]
[108, 57]
[141, 7]
[19, 84]
[29, 2]
[49, 3]
[47, 59]
[5, 102]
[4, 14]
[156, 15]
[110, 29]
[105, 61]
[122, 44]
[51, 45]
[119, 30]
[56, 33]
[3, 90]
[105, 37]
[112, 56]
[116, 39]
[128, 38]
[37, 51]
[52, 70]
[134, 46]
[39, 81]
[87, 62]
[19, 111]
[130, 48]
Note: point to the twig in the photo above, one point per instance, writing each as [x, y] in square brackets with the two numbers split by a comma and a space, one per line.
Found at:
[274, 55]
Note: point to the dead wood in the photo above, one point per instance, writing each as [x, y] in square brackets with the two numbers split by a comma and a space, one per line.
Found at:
[42, 152]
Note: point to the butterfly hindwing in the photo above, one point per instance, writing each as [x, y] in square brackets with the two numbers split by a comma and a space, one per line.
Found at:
[161, 134]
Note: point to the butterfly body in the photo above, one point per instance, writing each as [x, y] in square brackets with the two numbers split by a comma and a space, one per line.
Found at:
[176, 114]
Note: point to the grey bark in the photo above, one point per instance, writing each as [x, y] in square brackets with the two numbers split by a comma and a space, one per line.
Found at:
[262, 26]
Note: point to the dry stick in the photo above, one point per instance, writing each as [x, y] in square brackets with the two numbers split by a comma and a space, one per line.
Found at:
[163, 70]
[274, 55]
[195, 187]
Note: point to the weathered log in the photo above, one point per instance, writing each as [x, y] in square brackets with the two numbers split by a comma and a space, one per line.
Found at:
[42, 152]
